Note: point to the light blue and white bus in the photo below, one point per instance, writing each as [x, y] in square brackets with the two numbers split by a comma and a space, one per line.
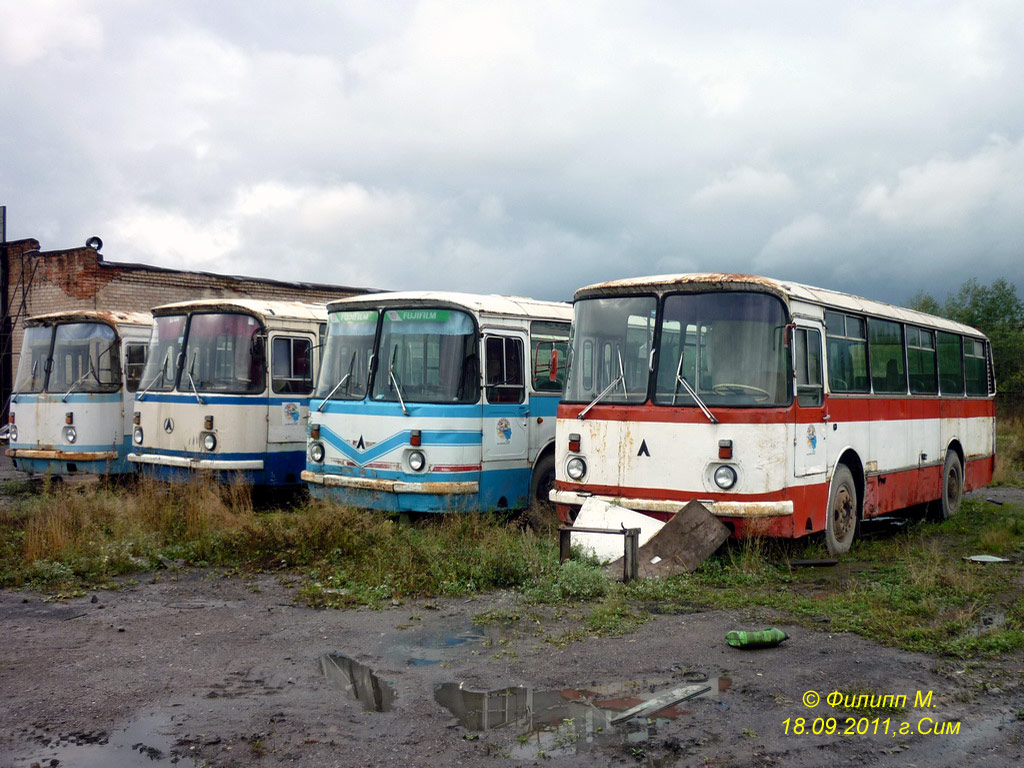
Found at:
[226, 390]
[436, 402]
[71, 408]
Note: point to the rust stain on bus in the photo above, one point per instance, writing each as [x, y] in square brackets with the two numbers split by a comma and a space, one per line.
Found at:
[43, 453]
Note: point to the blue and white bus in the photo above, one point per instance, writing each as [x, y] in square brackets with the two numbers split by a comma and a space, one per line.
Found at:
[436, 402]
[72, 404]
[226, 390]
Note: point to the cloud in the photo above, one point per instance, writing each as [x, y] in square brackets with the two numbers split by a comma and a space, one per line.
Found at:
[42, 29]
[746, 186]
[946, 193]
[519, 146]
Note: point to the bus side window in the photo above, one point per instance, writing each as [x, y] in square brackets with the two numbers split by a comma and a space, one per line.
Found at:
[921, 361]
[135, 362]
[549, 343]
[846, 339]
[504, 360]
[975, 367]
[809, 389]
[291, 365]
[951, 369]
[887, 372]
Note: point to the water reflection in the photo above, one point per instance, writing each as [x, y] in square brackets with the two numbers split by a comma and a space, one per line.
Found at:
[359, 681]
[564, 722]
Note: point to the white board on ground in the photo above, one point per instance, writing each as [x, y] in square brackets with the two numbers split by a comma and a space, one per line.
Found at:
[596, 513]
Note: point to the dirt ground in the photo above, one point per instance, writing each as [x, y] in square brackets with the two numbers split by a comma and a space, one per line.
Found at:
[191, 667]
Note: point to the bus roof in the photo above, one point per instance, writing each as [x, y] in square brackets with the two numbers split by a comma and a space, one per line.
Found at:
[786, 289]
[293, 310]
[91, 316]
[493, 304]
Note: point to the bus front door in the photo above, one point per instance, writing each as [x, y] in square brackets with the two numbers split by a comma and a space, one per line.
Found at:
[811, 423]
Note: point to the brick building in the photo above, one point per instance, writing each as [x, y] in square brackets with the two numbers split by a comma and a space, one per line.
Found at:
[33, 282]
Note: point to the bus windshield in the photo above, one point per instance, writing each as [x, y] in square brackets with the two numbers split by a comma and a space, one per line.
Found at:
[345, 370]
[85, 359]
[224, 353]
[729, 347]
[610, 350]
[161, 369]
[427, 355]
[35, 351]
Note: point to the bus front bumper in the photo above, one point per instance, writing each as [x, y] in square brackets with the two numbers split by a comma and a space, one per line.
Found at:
[188, 462]
[388, 486]
[52, 455]
[748, 509]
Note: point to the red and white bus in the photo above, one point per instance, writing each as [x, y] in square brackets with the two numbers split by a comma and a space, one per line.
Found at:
[785, 409]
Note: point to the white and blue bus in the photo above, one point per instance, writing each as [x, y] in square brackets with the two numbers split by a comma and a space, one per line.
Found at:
[226, 390]
[435, 402]
[71, 408]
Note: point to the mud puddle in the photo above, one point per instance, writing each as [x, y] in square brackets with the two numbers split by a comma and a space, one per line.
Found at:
[359, 682]
[146, 742]
[431, 647]
[558, 723]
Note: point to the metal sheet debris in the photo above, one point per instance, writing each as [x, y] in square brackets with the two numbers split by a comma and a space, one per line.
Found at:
[682, 544]
[596, 513]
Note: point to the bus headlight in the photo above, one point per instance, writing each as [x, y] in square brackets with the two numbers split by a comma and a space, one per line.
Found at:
[576, 468]
[725, 477]
[417, 461]
[137, 435]
[12, 434]
[70, 434]
[316, 452]
[209, 441]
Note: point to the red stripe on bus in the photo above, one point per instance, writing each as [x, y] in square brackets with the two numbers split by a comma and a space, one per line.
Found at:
[839, 409]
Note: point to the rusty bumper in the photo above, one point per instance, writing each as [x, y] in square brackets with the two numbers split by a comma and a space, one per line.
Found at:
[388, 486]
[53, 455]
[718, 508]
[189, 462]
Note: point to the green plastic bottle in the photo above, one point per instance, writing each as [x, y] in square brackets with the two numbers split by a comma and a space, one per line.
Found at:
[762, 638]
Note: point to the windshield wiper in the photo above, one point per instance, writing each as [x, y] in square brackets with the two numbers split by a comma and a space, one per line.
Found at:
[79, 380]
[346, 377]
[394, 380]
[195, 390]
[680, 379]
[159, 377]
[621, 377]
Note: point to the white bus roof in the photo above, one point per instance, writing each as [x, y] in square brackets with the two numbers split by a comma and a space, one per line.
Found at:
[292, 310]
[786, 289]
[91, 316]
[492, 304]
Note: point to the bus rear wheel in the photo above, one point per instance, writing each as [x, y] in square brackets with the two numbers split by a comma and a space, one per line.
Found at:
[841, 522]
[542, 482]
[948, 504]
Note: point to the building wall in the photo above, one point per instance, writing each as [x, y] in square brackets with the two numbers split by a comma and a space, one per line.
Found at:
[38, 282]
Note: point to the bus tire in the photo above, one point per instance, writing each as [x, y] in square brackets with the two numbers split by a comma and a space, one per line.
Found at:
[842, 519]
[948, 504]
[542, 482]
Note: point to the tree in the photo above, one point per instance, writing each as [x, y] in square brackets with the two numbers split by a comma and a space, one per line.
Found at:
[996, 311]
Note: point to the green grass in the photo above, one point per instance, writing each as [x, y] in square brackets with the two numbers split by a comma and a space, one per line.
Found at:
[910, 588]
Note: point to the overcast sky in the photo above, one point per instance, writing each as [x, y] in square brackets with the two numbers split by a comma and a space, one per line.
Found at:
[522, 147]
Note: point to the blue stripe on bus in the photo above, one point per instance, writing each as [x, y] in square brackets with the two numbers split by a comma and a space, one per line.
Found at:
[74, 397]
[499, 489]
[211, 399]
[397, 474]
[537, 406]
[427, 437]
